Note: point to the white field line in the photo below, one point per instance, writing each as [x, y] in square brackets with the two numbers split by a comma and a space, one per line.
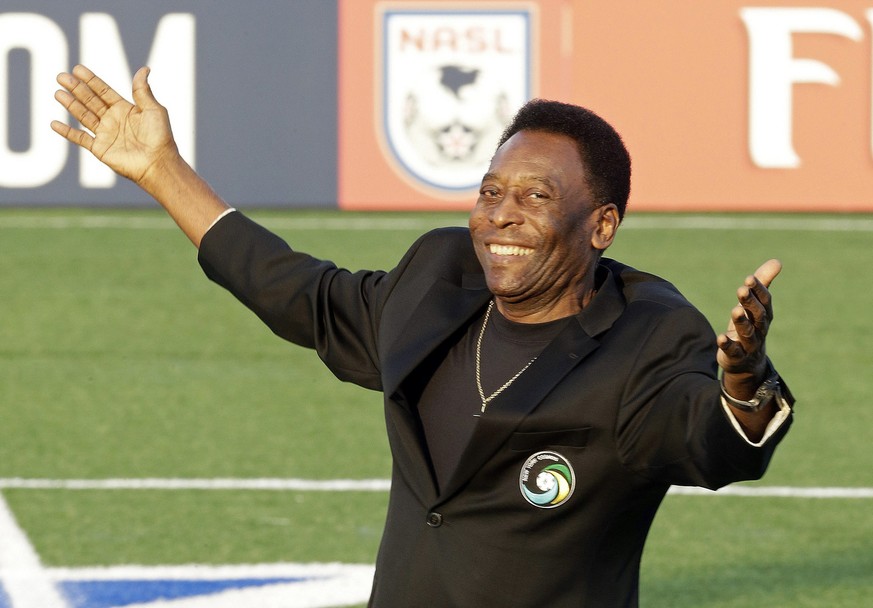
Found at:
[100, 222]
[776, 492]
[750, 222]
[300, 485]
[848, 223]
[376, 485]
[22, 575]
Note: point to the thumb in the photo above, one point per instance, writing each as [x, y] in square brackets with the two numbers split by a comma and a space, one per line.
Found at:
[142, 91]
[768, 271]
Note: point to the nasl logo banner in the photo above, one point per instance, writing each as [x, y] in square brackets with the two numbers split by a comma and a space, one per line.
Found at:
[426, 88]
[451, 81]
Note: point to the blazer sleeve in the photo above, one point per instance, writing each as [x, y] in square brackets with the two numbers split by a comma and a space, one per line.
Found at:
[672, 427]
[302, 299]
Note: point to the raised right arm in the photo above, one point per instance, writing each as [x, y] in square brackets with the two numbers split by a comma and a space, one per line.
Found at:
[135, 140]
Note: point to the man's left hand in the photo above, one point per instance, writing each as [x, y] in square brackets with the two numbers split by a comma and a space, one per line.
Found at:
[741, 348]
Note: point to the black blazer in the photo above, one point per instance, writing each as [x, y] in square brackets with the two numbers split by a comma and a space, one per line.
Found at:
[624, 403]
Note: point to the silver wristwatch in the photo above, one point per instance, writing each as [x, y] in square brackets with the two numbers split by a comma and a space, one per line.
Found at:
[769, 389]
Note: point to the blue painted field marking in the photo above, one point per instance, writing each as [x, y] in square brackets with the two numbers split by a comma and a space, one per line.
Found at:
[118, 593]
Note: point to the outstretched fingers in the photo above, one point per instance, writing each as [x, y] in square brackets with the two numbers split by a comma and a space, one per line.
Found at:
[142, 90]
[750, 327]
[77, 136]
[768, 271]
[741, 347]
[78, 109]
[742, 344]
[86, 97]
[754, 296]
[732, 349]
[99, 93]
[79, 99]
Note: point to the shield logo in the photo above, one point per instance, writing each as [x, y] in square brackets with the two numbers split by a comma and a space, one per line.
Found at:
[451, 81]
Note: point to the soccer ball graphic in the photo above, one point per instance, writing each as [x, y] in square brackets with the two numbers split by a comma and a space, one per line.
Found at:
[546, 481]
[453, 115]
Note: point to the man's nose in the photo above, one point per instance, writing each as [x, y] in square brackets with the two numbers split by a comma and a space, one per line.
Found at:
[508, 211]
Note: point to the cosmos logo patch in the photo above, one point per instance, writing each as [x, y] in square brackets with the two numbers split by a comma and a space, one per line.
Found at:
[547, 480]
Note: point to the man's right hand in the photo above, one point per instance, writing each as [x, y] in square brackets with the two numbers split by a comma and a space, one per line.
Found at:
[131, 139]
[135, 141]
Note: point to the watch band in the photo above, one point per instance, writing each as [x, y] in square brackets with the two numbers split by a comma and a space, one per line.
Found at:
[770, 388]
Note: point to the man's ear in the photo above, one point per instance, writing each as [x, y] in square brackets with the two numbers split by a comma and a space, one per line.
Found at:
[606, 225]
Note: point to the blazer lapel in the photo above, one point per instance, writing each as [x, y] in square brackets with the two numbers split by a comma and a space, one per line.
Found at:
[443, 310]
[506, 412]
[561, 356]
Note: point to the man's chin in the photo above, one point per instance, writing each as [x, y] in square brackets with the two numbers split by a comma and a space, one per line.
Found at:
[507, 293]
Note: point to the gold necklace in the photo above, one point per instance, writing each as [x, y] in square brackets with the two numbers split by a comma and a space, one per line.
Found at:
[489, 398]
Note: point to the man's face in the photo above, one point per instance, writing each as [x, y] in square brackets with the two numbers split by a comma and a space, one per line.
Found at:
[536, 230]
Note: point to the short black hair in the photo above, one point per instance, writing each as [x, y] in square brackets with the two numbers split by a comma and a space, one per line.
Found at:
[601, 149]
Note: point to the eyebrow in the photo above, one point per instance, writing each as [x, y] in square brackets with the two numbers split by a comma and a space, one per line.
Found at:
[545, 181]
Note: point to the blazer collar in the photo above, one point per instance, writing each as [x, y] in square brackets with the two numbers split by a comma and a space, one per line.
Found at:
[560, 357]
[444, 310]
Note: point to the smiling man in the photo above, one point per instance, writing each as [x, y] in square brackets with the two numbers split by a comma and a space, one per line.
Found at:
[537, 229]
[540, 398]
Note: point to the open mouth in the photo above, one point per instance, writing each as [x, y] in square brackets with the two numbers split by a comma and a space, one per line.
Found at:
[513, 250]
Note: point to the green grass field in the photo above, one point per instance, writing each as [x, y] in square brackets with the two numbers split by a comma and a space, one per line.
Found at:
[120, 360]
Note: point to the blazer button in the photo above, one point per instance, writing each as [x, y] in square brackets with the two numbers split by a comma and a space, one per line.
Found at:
[434, 519]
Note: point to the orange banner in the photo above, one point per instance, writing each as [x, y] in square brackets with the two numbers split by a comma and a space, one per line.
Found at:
[724, 105]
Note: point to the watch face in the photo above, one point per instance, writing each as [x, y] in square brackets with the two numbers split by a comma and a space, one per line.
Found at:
[767, 390]
[770, 388]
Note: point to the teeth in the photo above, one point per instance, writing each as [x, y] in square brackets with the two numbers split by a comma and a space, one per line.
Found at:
[509, 250]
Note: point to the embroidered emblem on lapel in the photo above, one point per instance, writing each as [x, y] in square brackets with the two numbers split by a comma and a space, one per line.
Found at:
[547, 480]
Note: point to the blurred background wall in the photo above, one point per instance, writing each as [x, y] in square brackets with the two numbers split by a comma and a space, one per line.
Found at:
[358, 104]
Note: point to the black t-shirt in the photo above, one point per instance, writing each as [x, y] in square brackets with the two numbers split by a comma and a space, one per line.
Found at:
[449, 405]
